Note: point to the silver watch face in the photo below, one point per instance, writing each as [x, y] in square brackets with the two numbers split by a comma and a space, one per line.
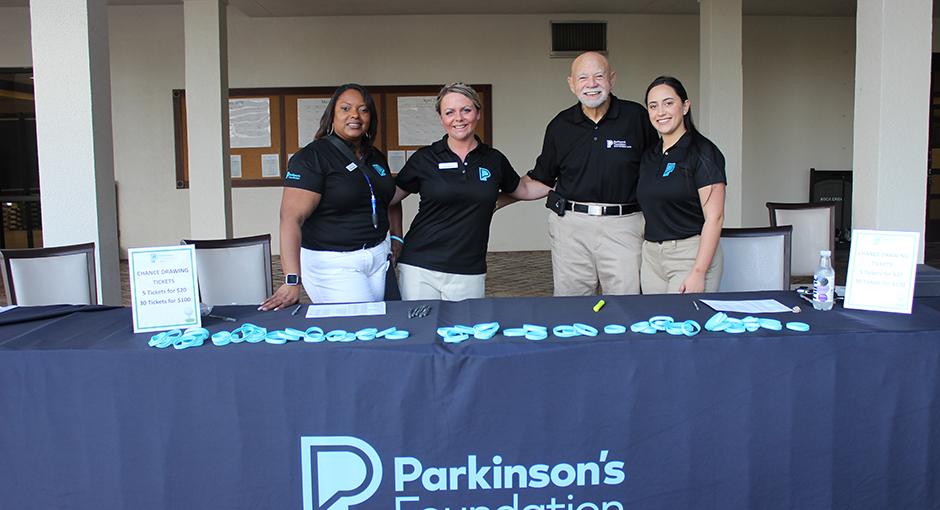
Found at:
[291, 279]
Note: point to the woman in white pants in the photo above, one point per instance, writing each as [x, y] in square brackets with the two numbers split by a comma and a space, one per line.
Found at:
[335, 209]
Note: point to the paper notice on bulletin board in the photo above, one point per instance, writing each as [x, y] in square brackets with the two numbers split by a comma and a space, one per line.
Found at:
[249, 123]
[418, 122]
[309, 112]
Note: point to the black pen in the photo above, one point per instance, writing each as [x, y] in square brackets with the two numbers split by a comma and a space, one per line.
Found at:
[224, 318]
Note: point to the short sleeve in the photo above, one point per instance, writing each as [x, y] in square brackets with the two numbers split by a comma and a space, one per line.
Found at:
[546, 168]
[711, 165]
[409, 179]
[509, 179]
[305, 171]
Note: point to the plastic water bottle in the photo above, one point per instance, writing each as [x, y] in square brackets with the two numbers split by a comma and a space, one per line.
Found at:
[824, 282]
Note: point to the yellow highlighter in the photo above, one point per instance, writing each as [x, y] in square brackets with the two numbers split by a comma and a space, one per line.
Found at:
[598, 306]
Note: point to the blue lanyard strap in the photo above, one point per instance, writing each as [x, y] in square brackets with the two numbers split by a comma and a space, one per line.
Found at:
[349, 154]
[375, 214]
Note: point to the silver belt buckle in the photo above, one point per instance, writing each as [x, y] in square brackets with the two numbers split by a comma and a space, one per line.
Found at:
[595, 210]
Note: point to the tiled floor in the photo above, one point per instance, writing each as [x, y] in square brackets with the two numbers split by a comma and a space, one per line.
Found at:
[529, 273]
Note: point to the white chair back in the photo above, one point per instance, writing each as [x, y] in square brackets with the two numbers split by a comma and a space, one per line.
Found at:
[755, 259]
[813, 231]
[234, 272]
[44, 276]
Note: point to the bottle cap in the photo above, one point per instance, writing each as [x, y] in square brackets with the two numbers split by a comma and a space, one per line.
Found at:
[825, 253]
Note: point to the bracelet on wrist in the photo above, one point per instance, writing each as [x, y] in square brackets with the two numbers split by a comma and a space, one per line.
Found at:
[396, 238]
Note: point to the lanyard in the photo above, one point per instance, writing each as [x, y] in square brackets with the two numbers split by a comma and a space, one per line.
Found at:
[349, 154]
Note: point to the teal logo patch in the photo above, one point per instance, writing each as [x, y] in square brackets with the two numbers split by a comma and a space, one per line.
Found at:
[669, 168]
[484, 174]
[292, 176]
[378, 169]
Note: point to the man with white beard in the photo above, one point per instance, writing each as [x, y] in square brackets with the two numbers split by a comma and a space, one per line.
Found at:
[588, 168]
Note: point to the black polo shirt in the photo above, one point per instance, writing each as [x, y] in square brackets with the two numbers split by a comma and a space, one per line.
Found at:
[452, 228]
[588, 162]
[343, 219]
[669, 184]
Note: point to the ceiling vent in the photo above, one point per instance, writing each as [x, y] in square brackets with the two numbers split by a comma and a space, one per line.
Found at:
[571, 38]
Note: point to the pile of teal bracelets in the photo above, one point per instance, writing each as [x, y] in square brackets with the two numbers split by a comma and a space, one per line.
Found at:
[666, 323]
[252, 334]
[722, 322]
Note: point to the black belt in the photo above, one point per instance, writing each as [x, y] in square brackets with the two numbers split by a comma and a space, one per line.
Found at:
[603, 210]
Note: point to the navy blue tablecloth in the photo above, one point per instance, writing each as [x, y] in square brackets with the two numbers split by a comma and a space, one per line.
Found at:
[844, 416]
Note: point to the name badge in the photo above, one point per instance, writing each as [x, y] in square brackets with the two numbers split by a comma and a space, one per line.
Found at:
[447, 166]
[351, 167]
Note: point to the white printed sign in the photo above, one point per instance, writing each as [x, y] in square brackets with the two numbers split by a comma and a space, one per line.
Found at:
[882, 267]
[164, 292]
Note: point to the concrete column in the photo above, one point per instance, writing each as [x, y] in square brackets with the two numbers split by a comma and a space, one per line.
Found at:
[720, 110]
[210, 181]
[72, 83]
[892, 100]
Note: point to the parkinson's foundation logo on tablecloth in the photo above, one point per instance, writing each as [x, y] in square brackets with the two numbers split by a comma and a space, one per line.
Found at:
[340, 472]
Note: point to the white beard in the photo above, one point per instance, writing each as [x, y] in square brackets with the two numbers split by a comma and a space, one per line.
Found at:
[595, 102]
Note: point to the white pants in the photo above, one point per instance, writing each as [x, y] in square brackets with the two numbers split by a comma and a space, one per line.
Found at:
[419, 283]
[345, 276]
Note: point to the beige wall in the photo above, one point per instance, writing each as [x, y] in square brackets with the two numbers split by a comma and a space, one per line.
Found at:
[15, 50]
[798, 87]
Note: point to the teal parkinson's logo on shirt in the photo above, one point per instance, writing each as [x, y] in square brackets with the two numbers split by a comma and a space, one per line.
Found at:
[378, 169]
[484, 174]
[292, 176]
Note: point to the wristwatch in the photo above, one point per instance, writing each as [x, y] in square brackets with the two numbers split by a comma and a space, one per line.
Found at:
[291, 279]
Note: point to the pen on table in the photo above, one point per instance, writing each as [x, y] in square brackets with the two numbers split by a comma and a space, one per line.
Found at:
[222, 317]
[296, 310]
[695, 304]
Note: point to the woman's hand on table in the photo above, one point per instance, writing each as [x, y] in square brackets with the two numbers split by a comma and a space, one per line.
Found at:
[285, 295]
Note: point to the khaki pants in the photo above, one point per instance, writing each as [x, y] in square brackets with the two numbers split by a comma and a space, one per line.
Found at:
[666, 265]
[420, 283]
[587, 250]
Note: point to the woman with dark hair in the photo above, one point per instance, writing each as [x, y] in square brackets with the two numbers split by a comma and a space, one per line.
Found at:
[459, 179]
[335, 209]
[682, 192]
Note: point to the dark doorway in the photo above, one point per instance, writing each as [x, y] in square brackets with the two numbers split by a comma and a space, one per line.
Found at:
[932, 229]
[19, 162]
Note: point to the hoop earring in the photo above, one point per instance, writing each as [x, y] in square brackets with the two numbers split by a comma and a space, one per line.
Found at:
[329, 131]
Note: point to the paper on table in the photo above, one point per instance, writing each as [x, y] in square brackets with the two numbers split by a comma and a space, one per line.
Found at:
[6, 308]
[747, 306]
[882, 271]
[346, 310]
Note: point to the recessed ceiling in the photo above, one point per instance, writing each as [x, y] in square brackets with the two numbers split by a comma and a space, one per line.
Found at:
[290, 8]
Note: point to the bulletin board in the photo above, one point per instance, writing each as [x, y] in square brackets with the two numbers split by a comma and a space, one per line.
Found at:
[267, 126]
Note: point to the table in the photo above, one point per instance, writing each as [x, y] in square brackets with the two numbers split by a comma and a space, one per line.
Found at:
[844, 416]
